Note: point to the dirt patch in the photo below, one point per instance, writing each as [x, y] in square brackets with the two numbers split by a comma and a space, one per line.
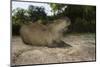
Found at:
[83, 49]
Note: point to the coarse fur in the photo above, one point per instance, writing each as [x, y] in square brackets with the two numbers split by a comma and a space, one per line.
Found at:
[38, 34]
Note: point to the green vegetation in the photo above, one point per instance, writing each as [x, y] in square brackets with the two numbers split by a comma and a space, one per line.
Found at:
[83, 17]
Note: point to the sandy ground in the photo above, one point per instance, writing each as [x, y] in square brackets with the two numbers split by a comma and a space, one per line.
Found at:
[83, 49]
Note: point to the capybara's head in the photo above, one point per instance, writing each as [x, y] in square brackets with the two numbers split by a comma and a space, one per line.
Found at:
[61, 24]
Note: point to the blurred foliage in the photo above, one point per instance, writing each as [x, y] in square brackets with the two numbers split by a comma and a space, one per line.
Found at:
[57, 8]
[19, 16]
[35, 13]
[83, 17]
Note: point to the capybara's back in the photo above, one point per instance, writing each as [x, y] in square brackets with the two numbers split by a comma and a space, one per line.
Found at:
[36, 34]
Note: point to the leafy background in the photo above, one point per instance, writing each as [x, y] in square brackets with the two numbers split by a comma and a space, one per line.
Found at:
[83, 17]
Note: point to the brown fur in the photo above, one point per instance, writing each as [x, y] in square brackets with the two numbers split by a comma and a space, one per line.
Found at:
[44, 35]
